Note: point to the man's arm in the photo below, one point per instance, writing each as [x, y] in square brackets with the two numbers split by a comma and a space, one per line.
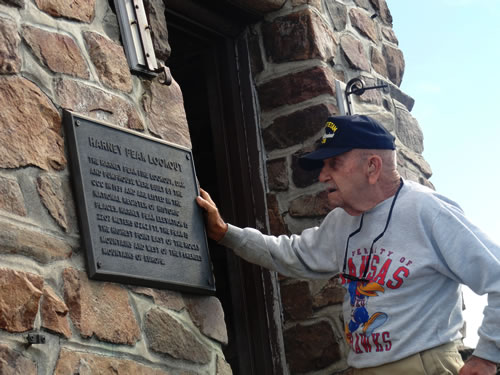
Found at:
[215, 225]
[478, 366]
[308, 255]
[474, 258]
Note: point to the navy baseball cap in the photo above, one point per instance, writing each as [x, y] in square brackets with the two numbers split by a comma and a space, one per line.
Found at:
[344, 133]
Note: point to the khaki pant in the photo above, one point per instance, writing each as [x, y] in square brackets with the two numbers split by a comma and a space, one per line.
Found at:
[441, 360]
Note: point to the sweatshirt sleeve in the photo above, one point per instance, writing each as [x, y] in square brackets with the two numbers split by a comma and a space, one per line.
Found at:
[304, 256]
[473, 259]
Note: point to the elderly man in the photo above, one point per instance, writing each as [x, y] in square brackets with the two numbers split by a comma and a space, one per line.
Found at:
[401, 249]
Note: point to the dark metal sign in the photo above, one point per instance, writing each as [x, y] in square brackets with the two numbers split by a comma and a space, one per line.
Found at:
[138, 217]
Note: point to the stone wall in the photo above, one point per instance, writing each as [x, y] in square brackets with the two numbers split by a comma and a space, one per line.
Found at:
[67, 54]
[58, 54]
[298, 53]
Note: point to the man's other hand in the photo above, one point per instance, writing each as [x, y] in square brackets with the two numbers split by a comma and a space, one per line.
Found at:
[478, 366]
[215, 225]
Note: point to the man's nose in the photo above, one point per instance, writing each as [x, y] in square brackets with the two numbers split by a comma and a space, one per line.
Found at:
[323, 175]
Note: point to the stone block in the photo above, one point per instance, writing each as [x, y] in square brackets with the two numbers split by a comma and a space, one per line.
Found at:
[168, 336]
[395, 63]
[11, 197]
[378, 62]
[298, 36]
[382, 10]
[207, 314]
[297, 300]
[302, 178]
[387, 119]
[297, 127]
[53, 197]
[409, 174]
[16, 3]
[389, 35]
[369, 96]
[14, 363]
[338, 14]
[417, 160]
[80, 10]
[277, 174]
[75, 362]
[165, 111]
[331, 294]
[54, 313]
[310, 205]
[56, 51]
[408, 130]
[223, 367]
[311, 347]
[277, 225]
[296, 87]
[110, 25]
[155, 9]
[167, 298]
[78, 97]
[401, 97]
[10, 59]
[365, 4]
[110, 61]
[362, 22]
[19, 309]
[100, 309]
[354, 53]
[32, 243]
[30, 127]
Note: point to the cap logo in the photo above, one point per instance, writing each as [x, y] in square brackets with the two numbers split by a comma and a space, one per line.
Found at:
[330, 129]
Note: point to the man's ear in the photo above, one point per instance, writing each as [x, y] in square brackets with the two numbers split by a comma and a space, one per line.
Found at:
[373, 168]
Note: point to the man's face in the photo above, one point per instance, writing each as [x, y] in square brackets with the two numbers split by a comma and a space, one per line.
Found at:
[345, 180]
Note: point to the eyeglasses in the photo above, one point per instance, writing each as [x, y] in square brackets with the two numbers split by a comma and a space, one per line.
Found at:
[363, 278]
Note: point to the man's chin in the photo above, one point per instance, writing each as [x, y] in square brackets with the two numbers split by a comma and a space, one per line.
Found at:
[333, 204]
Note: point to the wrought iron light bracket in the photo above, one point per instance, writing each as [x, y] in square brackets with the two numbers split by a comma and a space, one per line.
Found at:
[357, 87]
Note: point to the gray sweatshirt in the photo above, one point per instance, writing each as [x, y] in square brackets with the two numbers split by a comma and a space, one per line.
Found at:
[413, 301]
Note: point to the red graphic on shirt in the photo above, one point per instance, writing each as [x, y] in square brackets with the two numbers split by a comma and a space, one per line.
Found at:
[386, 271]
[380, 270]
[376, 343]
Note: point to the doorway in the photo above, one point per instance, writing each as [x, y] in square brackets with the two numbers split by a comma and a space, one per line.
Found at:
[209, 62]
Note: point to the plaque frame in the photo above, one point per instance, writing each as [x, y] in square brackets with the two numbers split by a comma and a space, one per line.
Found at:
[185, 272]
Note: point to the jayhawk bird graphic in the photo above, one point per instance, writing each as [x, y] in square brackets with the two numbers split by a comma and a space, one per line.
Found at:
[359, 293]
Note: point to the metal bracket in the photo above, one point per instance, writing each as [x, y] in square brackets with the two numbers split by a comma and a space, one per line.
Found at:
[136, 36]
[165, 76]
[357, 87]
[340, 99]
[145, 33]
[35, 338]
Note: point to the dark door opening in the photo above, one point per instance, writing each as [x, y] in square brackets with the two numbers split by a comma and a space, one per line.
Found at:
[205, 64]
[191, 71]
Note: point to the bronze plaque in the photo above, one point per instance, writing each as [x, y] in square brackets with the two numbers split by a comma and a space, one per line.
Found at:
[135, 196]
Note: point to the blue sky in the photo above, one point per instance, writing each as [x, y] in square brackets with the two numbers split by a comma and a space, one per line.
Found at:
[452, 54]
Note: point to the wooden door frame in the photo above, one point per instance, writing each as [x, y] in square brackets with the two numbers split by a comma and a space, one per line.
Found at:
[254, 290]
